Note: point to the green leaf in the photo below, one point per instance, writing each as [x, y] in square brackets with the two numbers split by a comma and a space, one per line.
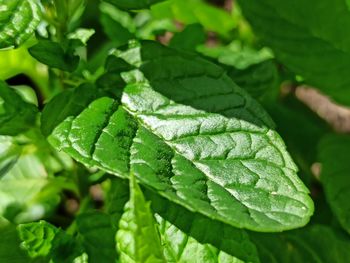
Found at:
[228, 240]
[311, 46]
[37, 238]
[133, 4]
[193, 136]
[137, 238]
[68, 103]
[16, 115]
[334, 157]
[237, 54]
[313, 244]
[43, 240]
[10, 251]
[261, 80]
[181, 248]
[53, 55]
[196, 11]
[97, 234]
[191, 37]
[118, 25]
[18, 21]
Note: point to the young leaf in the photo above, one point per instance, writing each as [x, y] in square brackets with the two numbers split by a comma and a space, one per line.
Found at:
[133, 4]
[196, 138]
[181, 248]
[16, 115]
[311, 46]
[43, 240]
[37, 238]
[230, 241]
[335, 160]
[53, 55]
[137, 238]
[18, 21]
[97, 234]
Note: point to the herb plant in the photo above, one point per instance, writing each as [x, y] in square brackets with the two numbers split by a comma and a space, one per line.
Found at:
[173, 131]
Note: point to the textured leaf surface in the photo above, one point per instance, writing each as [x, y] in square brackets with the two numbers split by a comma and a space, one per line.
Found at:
[16, 115]
[335, 173]
[18, 21]
[314, 244]
[98, 236]
[196, 138]
[137, 237]
[133, 4]
[306, 42]
[181, 248]
[37, 238]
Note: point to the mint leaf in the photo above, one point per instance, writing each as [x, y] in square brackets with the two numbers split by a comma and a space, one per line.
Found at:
[133, 4]
[335, 169]
[193, 136]
[18, 21]
[97, 234]
[298, 33]
[137, 237]
[16, 115]
[53, 55]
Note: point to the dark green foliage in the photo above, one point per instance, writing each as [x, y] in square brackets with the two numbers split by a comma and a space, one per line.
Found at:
[174, 131]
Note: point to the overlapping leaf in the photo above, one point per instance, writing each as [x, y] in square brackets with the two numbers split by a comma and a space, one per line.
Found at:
[18, 21]
[306, 42]
[16, 115]
[133, 4]
[193, 136]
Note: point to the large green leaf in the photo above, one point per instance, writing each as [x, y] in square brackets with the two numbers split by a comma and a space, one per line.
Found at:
[313, 244]
[133, 4]
[190, 134]
[335, 172]
[306, 42]
[18, 21]
[16, 115]
[137, 237]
